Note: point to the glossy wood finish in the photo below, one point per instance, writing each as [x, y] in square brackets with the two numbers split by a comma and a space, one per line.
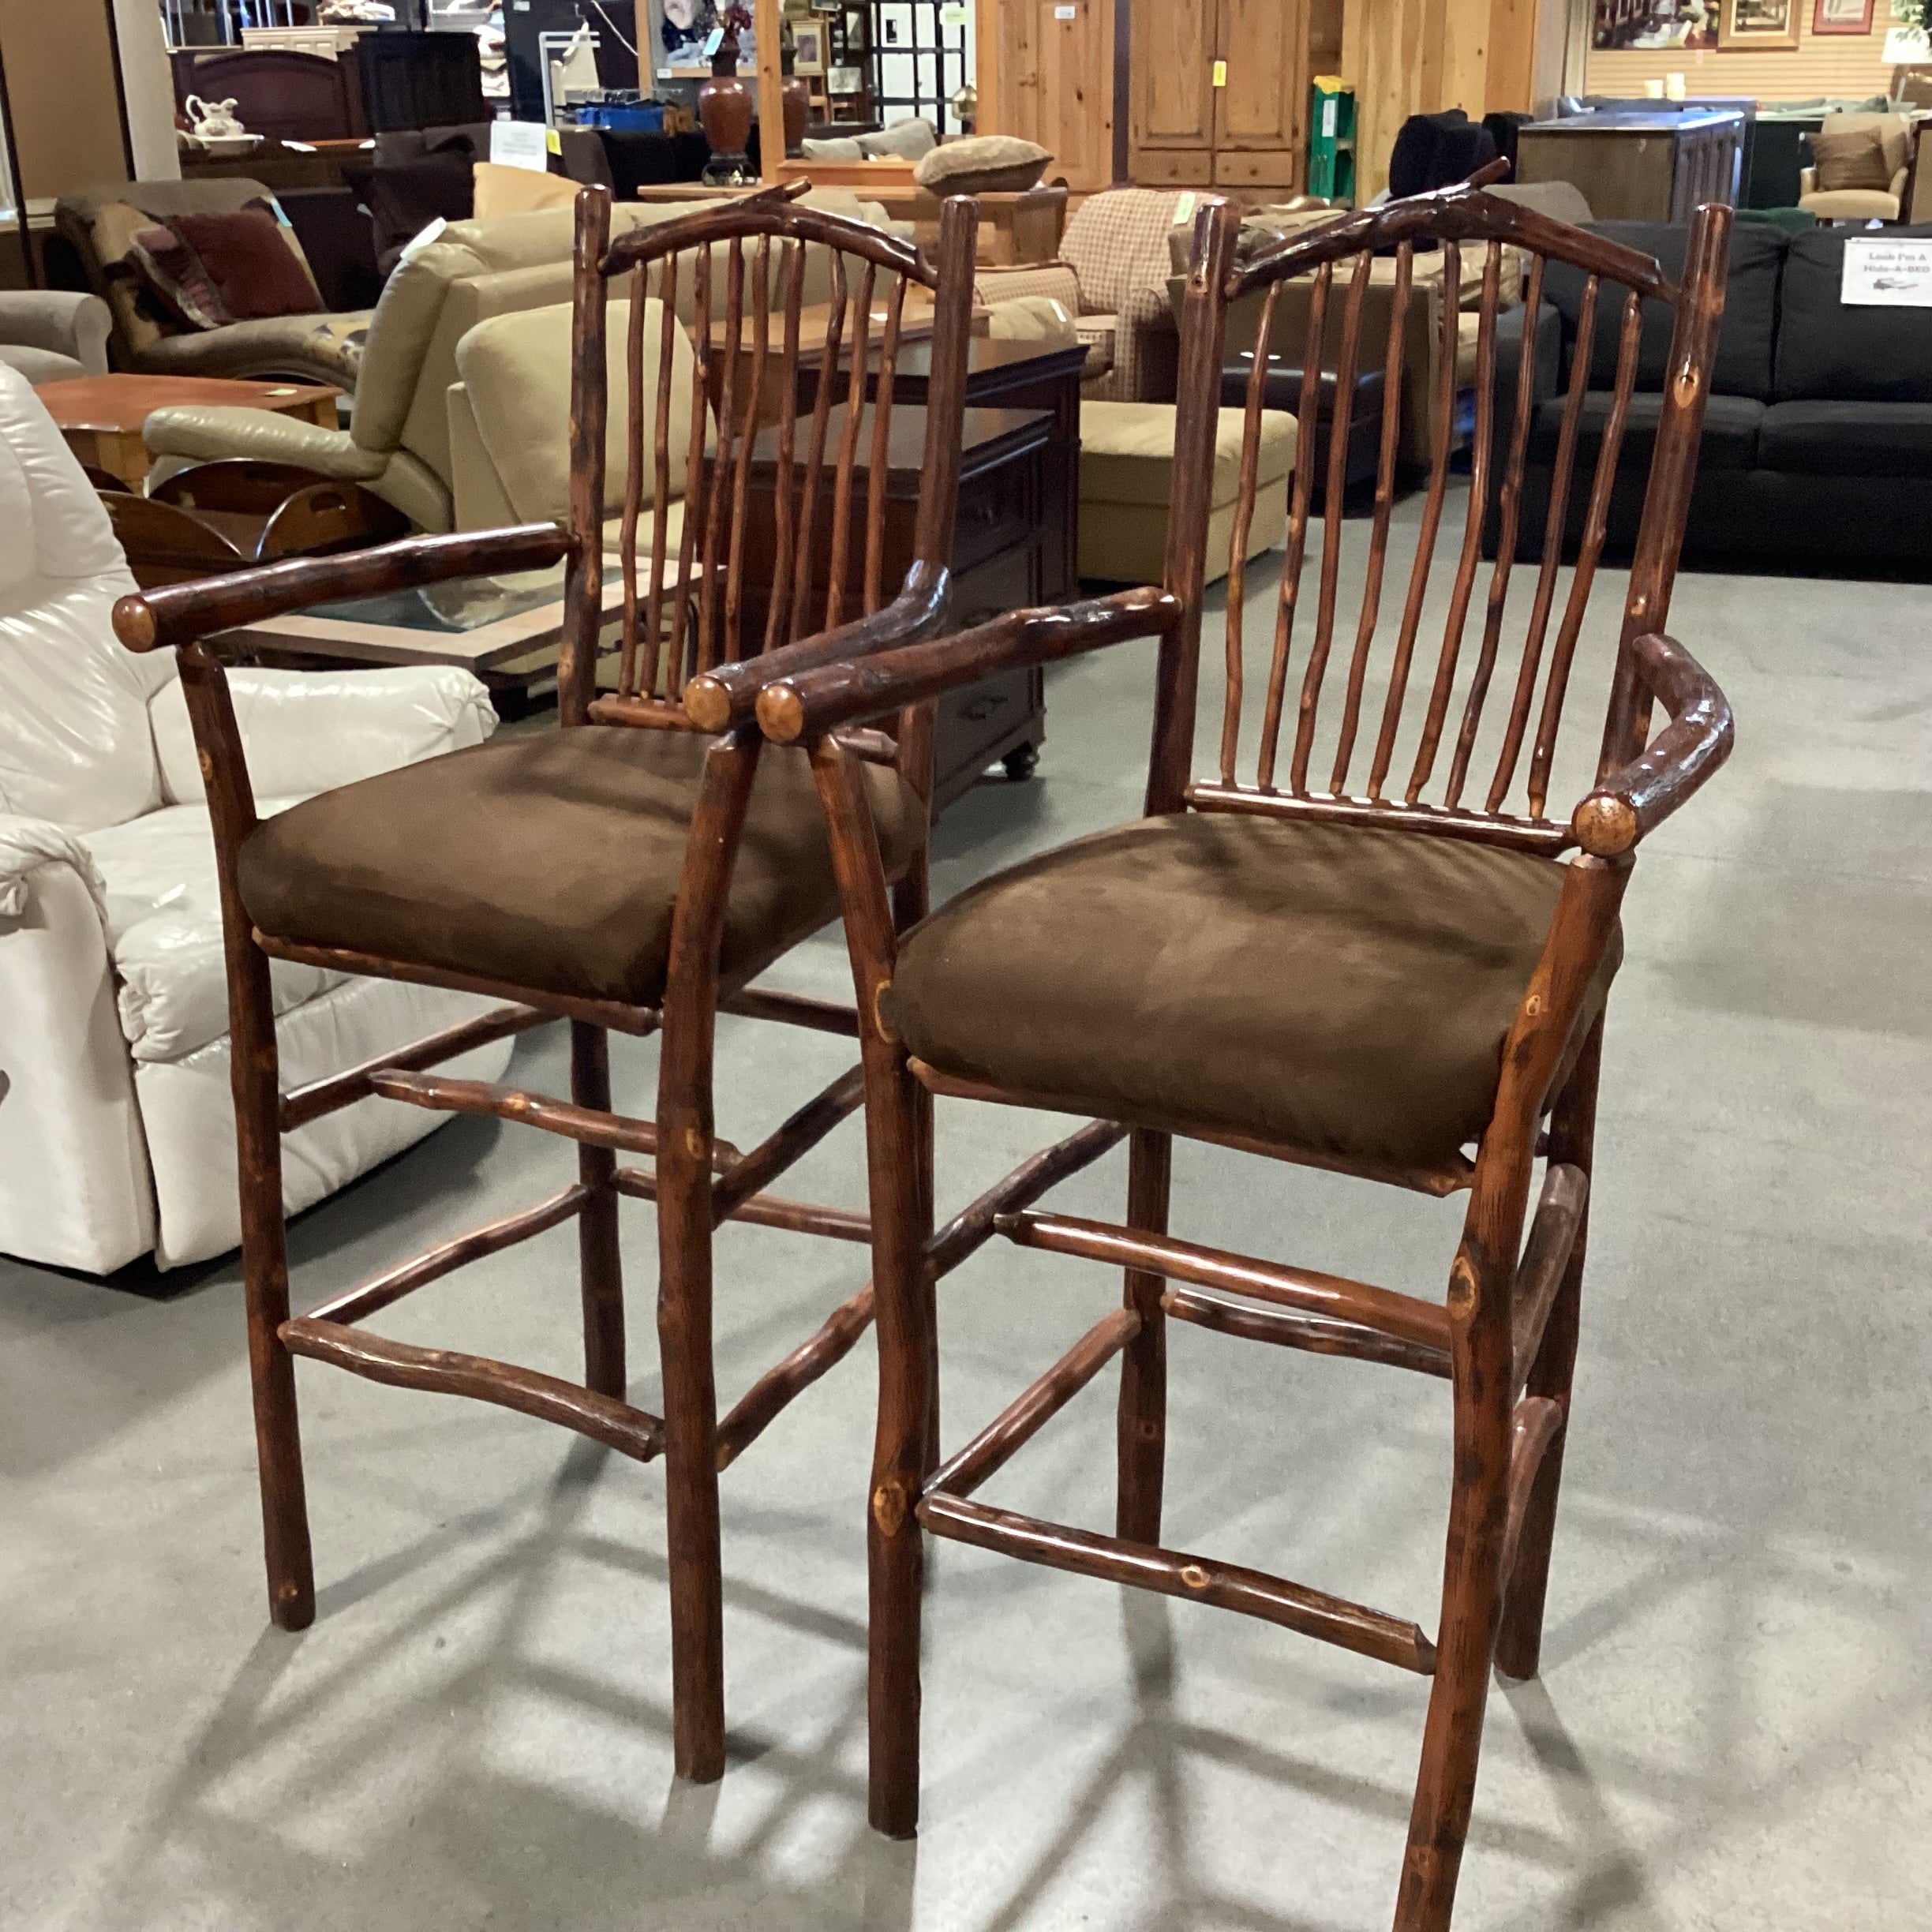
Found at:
[1301, 742]
[698, 1179]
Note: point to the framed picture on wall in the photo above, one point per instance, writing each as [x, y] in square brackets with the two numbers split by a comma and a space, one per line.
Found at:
[1842, 17]
[808, 49]
[1759, 26]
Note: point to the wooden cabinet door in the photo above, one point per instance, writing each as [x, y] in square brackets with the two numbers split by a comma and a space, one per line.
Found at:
[1262, 105]
[1073, 49]
[1173, 56]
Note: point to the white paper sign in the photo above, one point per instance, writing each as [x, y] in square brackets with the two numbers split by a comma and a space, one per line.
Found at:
[1882, 273]
[520, 143]
[1906, 46]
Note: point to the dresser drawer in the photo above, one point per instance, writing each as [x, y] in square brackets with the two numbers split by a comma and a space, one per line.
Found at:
[997, 509]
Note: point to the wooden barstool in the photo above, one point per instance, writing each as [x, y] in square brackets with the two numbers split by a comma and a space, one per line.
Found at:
[1371, 972]
[635, 870]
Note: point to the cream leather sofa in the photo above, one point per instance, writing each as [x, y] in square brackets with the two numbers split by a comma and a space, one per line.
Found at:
[117, 1131]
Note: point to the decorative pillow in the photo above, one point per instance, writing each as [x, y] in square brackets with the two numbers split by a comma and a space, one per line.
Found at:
[1850, 158]
[255, 271]
[501, 190]
[905, 140]
[840, 149]
[176, 278]
[983, 164]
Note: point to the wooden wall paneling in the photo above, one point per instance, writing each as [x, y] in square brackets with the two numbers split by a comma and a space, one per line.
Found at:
[1408, 57]
[769, 31]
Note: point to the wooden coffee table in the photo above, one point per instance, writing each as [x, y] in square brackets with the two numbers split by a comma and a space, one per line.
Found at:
[101, 416]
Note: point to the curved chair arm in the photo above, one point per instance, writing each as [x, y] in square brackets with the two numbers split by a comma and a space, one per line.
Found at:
[182, 613]
[1630, 802]
[715, 700]
[809, 702]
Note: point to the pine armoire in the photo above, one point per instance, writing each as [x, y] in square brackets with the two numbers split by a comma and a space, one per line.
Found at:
[1218, 91]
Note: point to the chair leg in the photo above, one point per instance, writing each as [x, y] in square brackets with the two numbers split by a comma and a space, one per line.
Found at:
[1466, 1641]
[600, 1267]
[1572, 1138]
[911, 900]
[690, 1429]
[256, 1083]
[895, 1545]
[1142, 1425]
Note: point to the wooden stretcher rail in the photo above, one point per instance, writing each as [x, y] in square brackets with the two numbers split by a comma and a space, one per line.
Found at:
[442, 1372]
[492, 1238]
[1172, 1573]
[1035, 1406]
[304, 1104]
[1381, 1309]
[1319, 1335]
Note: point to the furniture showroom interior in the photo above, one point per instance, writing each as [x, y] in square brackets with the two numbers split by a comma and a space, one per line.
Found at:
[1089, 843]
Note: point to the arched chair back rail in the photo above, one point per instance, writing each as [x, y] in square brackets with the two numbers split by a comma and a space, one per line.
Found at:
[635, 872]
[1376, 825]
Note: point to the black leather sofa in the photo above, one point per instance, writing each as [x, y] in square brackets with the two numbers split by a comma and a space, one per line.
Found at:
[1817, 436]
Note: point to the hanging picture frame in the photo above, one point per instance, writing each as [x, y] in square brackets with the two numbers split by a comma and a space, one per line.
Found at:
[1759, 27]
[807, 49]
[1843, 17]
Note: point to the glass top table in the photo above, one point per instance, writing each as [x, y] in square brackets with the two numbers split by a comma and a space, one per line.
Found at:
[485, 623]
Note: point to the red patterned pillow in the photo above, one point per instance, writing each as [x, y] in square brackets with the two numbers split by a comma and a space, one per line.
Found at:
[174, 274]
[254, 270]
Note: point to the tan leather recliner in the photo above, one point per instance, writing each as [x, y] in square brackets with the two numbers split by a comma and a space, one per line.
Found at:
[398, 443]
[509, 417]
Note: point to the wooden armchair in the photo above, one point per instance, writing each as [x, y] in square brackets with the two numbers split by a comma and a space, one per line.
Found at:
[1372, 973]
[635, 870]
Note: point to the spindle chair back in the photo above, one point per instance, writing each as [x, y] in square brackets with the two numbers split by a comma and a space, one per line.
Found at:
[1374, 716]
[735, 283]
[1177, 976]
[546, 864]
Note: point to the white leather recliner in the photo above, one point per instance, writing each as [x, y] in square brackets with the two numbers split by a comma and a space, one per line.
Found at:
[117, 1131]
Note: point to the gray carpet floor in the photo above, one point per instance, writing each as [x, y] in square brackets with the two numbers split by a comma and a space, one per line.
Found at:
[1731, 1729]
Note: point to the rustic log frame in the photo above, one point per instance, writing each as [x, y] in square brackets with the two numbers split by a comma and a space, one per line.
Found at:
[697, 1180]
[1505, 1335]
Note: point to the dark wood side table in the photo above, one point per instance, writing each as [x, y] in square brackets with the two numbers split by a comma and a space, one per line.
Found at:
[1007, 375]
[1007, 553]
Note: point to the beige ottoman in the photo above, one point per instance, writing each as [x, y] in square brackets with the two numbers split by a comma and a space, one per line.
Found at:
[1127, 479]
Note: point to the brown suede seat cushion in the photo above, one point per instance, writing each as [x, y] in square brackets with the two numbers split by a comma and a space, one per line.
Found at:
[1344, 993]
[552, 861]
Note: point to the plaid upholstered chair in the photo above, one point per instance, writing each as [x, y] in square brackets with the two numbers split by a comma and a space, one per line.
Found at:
[1112, 278]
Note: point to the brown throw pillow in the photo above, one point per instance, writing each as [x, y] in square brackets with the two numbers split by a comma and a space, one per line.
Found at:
[253, 269]
[1853, 158]
[983, 164]
[175, 277]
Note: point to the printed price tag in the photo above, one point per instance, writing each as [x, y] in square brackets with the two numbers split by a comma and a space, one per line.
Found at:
[520, 144]
[1882, 273]
[1220, 73]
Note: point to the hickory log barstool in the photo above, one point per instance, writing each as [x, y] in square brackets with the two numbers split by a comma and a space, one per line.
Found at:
[635, 870]
[1374, 948]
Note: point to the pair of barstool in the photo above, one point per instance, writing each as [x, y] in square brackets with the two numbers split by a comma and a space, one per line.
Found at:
[1400, 986]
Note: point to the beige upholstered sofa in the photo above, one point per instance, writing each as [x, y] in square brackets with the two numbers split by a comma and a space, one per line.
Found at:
[100, 223]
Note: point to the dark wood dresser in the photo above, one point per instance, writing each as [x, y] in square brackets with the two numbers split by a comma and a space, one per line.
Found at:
[1636, 165]
[1013, 547]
